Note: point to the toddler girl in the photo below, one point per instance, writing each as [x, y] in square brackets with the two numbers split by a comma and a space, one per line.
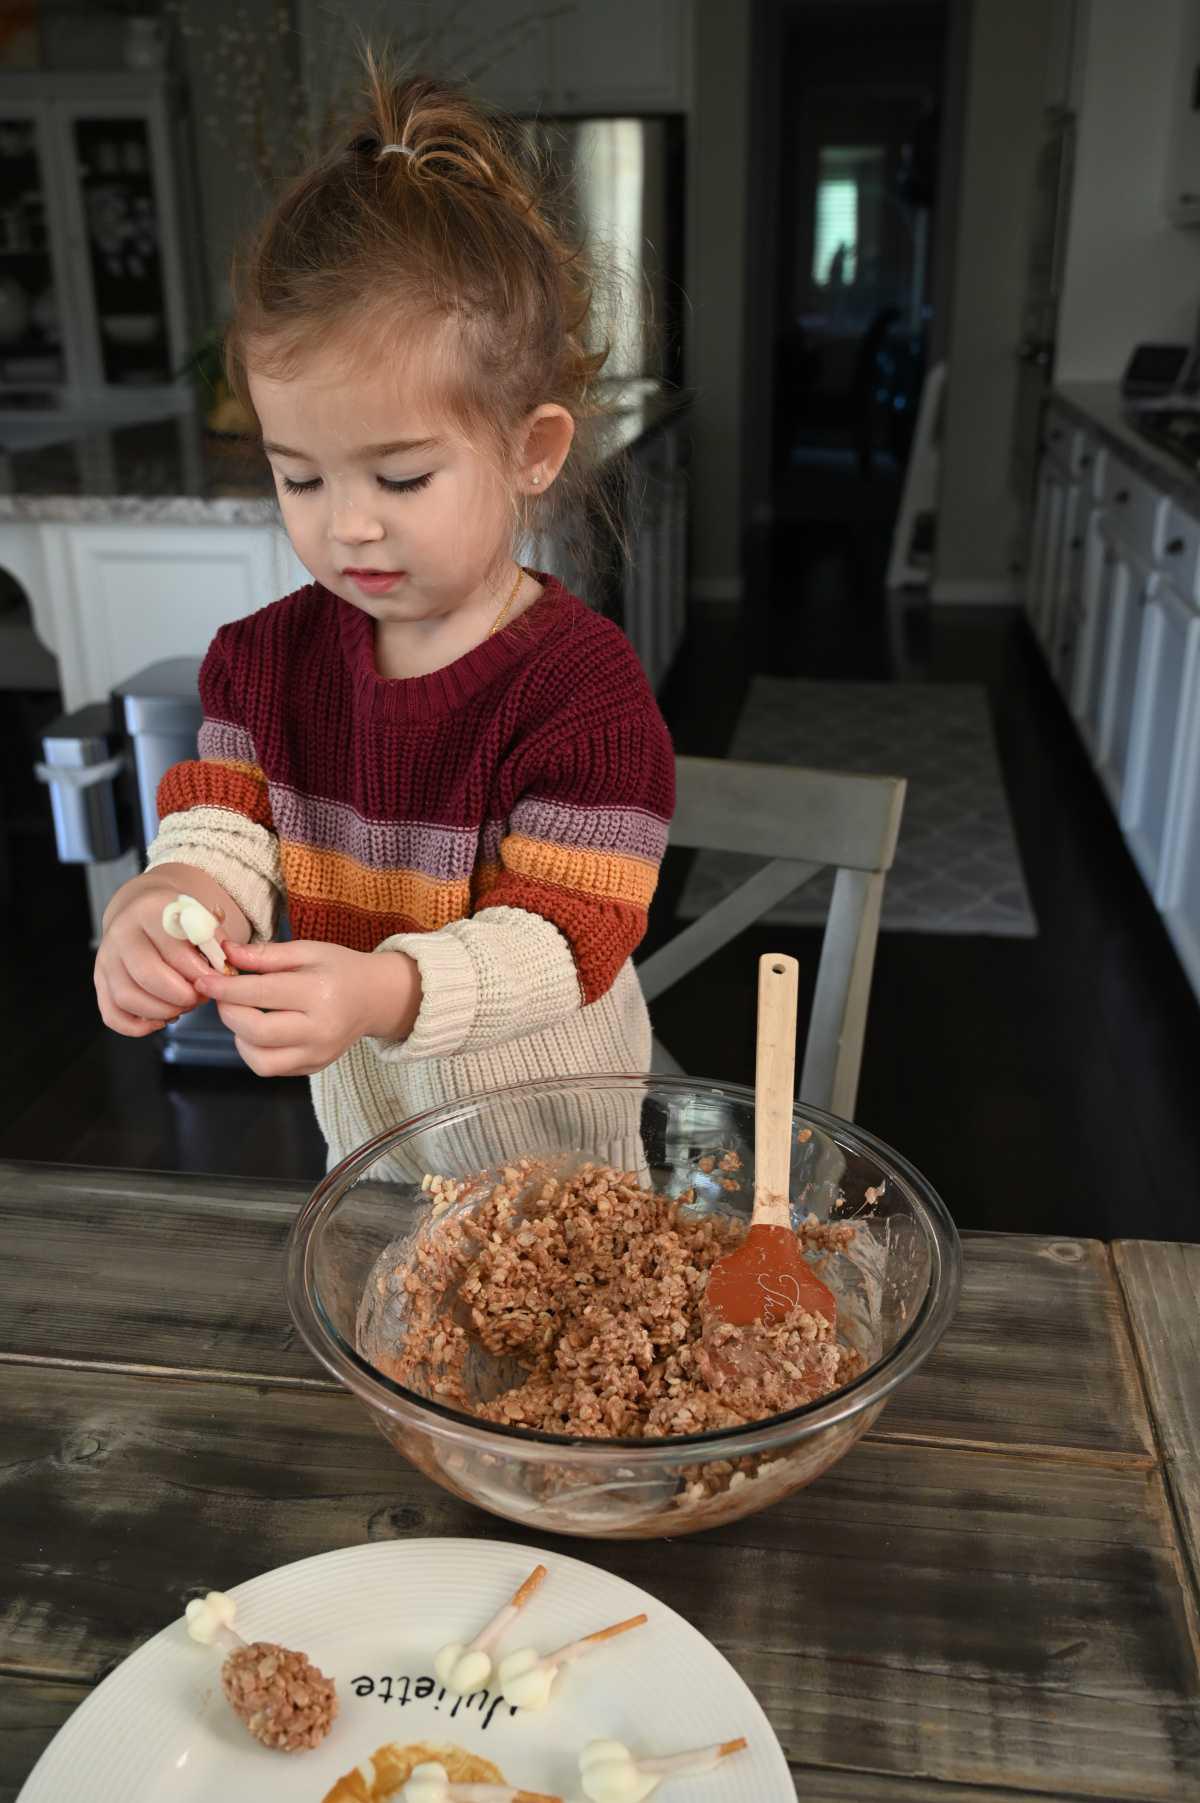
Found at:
[450, 771]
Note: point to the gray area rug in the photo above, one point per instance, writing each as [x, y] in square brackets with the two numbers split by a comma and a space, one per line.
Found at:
[957, 867]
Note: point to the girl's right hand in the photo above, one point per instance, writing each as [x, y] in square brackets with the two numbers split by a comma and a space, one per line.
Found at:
[143, 977]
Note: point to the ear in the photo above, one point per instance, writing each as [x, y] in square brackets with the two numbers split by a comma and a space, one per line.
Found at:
[542, 446]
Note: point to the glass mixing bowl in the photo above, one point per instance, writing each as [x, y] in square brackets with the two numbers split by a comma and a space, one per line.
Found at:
[897, 1286]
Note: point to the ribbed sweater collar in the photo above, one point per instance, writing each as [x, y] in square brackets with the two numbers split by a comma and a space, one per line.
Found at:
[396, 698]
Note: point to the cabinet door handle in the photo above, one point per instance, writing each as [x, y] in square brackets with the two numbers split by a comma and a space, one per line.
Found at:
[1174, 547]
[1121, 496]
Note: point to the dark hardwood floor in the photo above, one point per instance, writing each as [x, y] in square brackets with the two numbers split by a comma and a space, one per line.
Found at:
[1046, 1085]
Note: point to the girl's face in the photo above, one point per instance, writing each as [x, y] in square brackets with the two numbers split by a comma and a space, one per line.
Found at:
[385, 503]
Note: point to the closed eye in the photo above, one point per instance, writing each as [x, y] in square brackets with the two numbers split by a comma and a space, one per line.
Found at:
[409, 485]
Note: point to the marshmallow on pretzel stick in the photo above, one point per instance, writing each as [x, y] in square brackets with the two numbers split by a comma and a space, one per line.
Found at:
[467, 1668]
[429, 1783]
[186, 918]
[527, 1678]
[285, 1702]
[610, 1773]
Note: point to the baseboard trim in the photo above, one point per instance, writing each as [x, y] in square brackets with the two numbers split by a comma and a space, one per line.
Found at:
[987, 591]
[716, 588]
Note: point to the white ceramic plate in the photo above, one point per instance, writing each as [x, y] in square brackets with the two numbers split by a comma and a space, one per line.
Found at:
[158, 1730]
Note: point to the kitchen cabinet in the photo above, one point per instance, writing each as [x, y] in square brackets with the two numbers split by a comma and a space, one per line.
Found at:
[526, 56]
[1168, 659]
[107, 600]
[1105, 604]
[1045, 545]
[1122, 659]
[98, 289]
[1113, 598]
[1179, 896]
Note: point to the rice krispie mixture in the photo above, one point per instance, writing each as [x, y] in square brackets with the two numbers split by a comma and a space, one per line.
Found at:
[589, 1288]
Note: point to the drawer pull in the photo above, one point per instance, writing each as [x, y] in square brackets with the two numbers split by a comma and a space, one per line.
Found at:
[1174, 547]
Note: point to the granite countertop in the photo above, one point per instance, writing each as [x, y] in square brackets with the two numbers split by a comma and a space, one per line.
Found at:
[1102, 406]
[171, 472]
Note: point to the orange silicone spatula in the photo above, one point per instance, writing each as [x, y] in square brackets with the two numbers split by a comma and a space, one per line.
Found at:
[769, 1274]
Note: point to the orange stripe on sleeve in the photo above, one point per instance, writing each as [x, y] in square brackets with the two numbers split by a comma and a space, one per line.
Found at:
[602, 875]
[202, 783]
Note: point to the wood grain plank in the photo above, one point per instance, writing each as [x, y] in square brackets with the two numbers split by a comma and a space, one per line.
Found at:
[31, 1713]
[148, 1269]
[1003, 1620]
[1038, 1354]
[1161, 1283]
[186, 1273]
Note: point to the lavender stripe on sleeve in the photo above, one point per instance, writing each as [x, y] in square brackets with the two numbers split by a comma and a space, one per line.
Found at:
[222, 740]
[445, 853]
[625, 830]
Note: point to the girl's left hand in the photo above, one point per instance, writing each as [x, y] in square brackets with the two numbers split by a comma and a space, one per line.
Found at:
[297, 1004]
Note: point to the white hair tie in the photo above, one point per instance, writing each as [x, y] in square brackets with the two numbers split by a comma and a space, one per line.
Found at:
[397, 150]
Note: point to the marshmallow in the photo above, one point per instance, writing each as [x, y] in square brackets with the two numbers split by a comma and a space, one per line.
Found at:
[207, 1615]
[610, 1774]
[526, 1678]
[462, 1668]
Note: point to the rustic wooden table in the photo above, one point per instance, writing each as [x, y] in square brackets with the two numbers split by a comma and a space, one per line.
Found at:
[995, 1592]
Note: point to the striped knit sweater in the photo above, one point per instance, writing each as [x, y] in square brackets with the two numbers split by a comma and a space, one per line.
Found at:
[501, 820]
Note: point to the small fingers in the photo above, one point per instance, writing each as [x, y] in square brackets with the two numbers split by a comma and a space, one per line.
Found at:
[124, 1020]
[145, 966]
[278, 1030]
[131, 998]
[266, 1061]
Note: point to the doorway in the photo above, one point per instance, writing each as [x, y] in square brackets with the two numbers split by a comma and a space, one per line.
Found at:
[848, 108]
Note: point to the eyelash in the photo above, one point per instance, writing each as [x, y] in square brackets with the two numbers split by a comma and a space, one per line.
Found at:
[410, 485]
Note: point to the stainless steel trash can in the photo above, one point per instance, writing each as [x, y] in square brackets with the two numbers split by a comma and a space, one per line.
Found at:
[103, 765]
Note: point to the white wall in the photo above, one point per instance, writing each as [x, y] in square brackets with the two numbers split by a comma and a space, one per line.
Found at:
[715, 280]
[1129, 274]
[977, 509]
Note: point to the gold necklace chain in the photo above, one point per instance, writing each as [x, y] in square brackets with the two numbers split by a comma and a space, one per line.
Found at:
[512, 595]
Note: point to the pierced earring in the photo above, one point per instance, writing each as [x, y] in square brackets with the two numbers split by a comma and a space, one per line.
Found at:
[536, 478]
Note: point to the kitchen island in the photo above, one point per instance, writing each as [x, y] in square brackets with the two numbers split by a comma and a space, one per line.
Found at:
[136, 544]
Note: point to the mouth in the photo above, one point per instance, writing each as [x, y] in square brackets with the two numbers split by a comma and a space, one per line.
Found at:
[374, 582]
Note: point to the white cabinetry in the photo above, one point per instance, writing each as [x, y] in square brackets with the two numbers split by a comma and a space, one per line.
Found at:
[99, 282]
[1167, 666]
[1114, 600]
[1179, 896]
[108, 600]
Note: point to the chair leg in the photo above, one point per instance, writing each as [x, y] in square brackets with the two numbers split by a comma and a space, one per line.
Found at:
[661, 1062]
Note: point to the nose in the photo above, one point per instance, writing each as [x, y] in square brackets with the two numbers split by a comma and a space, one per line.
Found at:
[351, 523]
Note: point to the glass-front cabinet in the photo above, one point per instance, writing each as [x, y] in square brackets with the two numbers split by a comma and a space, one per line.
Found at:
[98, 291]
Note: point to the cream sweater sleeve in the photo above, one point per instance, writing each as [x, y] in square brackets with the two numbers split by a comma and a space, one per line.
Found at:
[502, 975]
[238, 853]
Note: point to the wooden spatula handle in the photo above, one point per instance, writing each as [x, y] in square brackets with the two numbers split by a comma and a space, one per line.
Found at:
[774, 1088]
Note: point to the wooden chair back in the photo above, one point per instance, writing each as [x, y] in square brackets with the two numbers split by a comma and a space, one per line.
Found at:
[800, 822]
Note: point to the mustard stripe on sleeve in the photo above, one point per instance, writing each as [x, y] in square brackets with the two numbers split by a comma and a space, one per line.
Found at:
[608, 876]
[330, 876]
